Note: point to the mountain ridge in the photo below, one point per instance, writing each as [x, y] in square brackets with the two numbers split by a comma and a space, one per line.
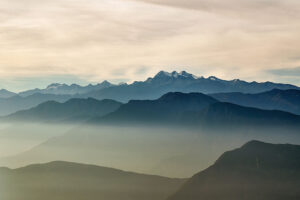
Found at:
[64, 89]
[164, 82]
[6, 94]
[257, 170]
[168, 107]
[75, 181]
[196, 110]
[286, 100]
[152, 88]
[71, 110]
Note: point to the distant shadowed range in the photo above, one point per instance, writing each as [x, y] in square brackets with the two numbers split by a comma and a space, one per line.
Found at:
[152, 88]
[70, 111]
[195, 109]
[286, 100]
[177, 109]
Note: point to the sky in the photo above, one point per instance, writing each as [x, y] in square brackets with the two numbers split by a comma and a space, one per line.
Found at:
[88, 41]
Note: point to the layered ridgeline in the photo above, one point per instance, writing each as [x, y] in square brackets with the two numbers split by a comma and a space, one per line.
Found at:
[168, 108]
[165, 82]
[174, 108]
[152, 88]
[196, 109]
[285, 100]
[17, 103]
[184, 128]
[69, 111]
[6, 94]
[64, 89]
[257, 171]
[12, 102]
[72, 181]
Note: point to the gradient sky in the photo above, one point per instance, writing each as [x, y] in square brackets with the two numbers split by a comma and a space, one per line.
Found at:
[82, 41]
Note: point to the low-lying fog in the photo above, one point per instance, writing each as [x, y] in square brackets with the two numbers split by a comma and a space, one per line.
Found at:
[172, 151]
[17, 138]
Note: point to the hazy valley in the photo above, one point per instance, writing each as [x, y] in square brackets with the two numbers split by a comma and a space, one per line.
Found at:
[82, 135]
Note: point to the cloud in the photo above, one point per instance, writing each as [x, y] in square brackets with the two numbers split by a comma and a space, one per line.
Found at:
[116, 39]
[290, 72]
[18, 84]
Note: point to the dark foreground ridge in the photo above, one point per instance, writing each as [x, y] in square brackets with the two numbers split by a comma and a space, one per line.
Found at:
[257, 170]
[71, 181]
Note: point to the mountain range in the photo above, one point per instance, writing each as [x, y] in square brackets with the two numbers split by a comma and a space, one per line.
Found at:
[196, 109]
[64, 89]
[6, 94]
[168, 108]
[165, 82]
[71, 110]
[286, 100]
[72, 181]
[17, 103]
[156, 86]
[151, 88]
[174, 108]
[257, 170]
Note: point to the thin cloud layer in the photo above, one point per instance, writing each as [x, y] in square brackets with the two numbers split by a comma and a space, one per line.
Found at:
[124, 40]
[289, 72]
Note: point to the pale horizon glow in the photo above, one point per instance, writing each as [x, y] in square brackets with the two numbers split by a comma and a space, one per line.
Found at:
[88, 41]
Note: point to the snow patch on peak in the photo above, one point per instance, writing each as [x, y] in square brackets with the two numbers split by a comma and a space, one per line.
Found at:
[213, 78]
[54, 85]
[175, 74]
[187, 75]
[163, 73]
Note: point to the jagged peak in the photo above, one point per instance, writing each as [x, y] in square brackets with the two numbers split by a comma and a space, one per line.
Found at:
[175, 74]
[105, 83]
[55, 85]
[163, 73]
[213, 78]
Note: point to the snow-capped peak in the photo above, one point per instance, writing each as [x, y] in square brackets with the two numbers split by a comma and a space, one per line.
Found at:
[54, 86]
[175, 74]
[163, 73]
[187, 75]
[212, 78]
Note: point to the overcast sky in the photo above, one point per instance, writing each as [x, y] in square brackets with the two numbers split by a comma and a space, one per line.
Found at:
[82, 41]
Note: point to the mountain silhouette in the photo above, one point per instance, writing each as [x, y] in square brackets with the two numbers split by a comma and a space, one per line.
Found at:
[164, 82]
[64, 89]
[257, 170]
[17, 103]
[285, 100]
[231, 115]
[167, 108]
[6, 94]
[150, 89]
[73, 109]
[196, 109]
[72, 181]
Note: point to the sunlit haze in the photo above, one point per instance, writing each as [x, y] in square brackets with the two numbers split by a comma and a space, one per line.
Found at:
[88, 41]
